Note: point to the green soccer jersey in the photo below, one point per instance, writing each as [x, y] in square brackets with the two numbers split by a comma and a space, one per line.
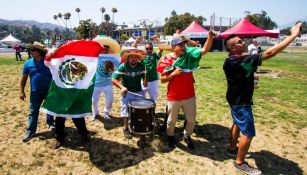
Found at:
[131, 77]
[151, 62]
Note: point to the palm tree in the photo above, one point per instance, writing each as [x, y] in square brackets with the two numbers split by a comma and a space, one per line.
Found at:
[114, 10]
[107, 18]
[60, 16]
[102, 9]
[78, 11]
[55, 17]
[67, 17]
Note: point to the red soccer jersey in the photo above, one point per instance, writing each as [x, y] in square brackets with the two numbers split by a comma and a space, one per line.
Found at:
[180, 87]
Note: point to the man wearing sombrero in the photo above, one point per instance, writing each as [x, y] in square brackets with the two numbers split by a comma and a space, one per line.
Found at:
[40, 79]
[177, 69]
[150, 63]
[103, 78]
[131, 73]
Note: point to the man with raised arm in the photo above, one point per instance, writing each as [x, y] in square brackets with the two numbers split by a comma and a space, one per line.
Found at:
[239, 70]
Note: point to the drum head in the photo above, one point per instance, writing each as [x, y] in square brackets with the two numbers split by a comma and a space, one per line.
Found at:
[142, 103]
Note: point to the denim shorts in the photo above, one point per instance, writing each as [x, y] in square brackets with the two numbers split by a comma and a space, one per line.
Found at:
[243, 118]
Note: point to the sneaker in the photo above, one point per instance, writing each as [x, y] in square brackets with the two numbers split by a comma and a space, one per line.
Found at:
[28, 136]
[189, 142]
[52, 128]
[247, 169]
[94, 117]
[107, 117]
[171, 142]
[234, 153]
[57, 144]
[127, 134]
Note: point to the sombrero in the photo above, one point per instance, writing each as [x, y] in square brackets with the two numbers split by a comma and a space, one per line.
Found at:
[126, 53]
[37, 45]
[113, 44]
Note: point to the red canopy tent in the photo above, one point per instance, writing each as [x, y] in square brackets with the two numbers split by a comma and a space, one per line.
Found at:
[194, 30]
[246, 29]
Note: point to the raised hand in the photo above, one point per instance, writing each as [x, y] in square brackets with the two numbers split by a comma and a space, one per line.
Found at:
[295, 30]
[138, 39]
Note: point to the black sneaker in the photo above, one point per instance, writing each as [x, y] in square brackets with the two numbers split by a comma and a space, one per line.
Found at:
[232, 153]
[247, 169]
[28, 136]
[189, 142]
[127, 134]
[171, 142]
[52, 128]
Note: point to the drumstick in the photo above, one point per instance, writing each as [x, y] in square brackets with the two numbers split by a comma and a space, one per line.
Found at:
[136, 94]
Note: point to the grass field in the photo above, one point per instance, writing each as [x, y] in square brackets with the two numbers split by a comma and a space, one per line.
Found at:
[280, 145]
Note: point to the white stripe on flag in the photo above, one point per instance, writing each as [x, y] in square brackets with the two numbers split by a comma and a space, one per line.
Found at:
[56, 66]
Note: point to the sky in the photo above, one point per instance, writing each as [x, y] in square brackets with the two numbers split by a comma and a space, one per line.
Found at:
[130, 11]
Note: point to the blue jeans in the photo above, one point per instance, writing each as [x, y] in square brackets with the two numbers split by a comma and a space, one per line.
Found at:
[36, 99]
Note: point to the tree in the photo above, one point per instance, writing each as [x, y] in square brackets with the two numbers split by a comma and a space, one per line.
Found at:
[105, 28]
[114, 10]
[78, 11]
[55, 17]
[102, 9]
[87, 29]
[107, 18]
[60, 16]
[124, 37]
[175, 22]
[262, 20]
[67, 17]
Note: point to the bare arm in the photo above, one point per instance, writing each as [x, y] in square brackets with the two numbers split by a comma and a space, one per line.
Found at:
[117, 83]
[155, 37]
[23, 82]
[136, 42]
[295, 30]
[208, 44]
[167, 78]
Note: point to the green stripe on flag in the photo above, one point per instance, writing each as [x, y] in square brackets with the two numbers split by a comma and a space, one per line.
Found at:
[70, 101]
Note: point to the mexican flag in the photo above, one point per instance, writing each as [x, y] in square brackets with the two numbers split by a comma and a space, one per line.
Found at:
[188, 62]
[73, 67]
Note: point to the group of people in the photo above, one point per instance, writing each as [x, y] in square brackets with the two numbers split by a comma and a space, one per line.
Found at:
[138, 73]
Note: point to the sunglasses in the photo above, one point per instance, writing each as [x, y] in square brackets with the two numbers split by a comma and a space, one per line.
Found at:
[149, 48]
[238, 42]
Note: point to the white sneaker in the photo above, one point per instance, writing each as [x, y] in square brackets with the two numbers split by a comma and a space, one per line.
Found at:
[107, 117]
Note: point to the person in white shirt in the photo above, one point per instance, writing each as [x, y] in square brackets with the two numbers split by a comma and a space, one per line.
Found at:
[253, 48]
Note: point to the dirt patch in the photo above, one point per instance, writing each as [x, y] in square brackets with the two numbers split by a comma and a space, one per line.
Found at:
[269, 73]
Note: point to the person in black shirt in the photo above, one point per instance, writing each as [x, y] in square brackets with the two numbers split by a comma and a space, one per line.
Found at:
[239, 70]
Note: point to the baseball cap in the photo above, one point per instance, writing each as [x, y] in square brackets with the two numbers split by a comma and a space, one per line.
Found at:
[177, 40]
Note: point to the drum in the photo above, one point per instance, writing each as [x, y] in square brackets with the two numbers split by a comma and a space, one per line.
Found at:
[141, 116]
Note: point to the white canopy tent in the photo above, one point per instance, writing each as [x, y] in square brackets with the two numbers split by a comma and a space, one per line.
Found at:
[10, 40]
[129, 41]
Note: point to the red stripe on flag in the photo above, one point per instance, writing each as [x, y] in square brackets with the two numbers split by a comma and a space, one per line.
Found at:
[77, 48]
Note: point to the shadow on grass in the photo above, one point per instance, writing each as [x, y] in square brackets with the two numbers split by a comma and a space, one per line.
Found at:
[269, 163]
[106, 155]
[114, 123]
[216, 145]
